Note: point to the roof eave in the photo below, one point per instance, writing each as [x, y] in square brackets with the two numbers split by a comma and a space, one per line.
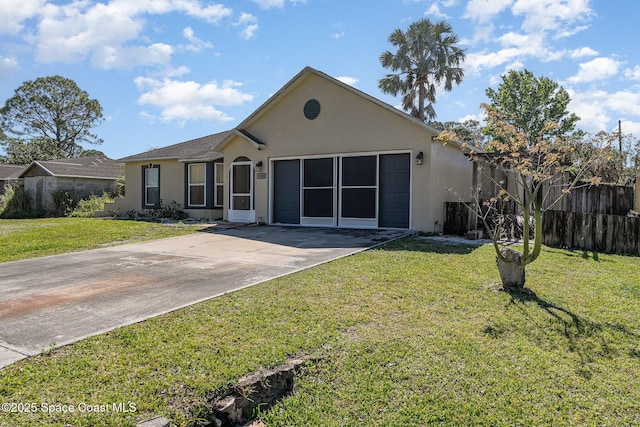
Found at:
[243, 134]
[88, 177]
[202, 159]
[32, 165]
[146, 159]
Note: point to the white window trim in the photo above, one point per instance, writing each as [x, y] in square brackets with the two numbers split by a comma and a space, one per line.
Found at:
[146, 186]
[199, 184]
[218, 203]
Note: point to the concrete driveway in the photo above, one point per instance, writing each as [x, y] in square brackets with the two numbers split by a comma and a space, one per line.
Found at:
[60, 299]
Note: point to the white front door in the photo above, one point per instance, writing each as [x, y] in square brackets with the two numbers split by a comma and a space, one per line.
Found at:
[241, 198]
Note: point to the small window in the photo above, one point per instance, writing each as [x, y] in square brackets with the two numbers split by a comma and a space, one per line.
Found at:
[151, 185]
[219, 184]
[197, 184]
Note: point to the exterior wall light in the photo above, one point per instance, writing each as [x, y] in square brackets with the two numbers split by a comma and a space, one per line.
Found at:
[259, 166]
[419, 158]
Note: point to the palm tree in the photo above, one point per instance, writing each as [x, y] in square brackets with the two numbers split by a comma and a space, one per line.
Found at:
[426, 58]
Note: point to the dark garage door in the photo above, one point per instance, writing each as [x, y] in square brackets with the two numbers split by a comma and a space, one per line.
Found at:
[394, 196]
[286, 192]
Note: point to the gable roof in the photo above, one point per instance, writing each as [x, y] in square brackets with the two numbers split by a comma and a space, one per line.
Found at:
[301, 77]
[81, 167]
[195, 149]
[10, 171]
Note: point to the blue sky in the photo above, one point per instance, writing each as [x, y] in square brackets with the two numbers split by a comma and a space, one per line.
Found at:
[166, 71]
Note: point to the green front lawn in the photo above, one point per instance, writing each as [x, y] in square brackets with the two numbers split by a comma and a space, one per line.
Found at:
[30, 238]
[414, 334]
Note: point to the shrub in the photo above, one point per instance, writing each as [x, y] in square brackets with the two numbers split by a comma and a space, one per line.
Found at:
[15, 202]
[64, 202]
[170, 211]
[87, 208]
[158, 212]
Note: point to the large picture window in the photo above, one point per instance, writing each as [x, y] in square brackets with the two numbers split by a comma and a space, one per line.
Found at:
[151, 185]
[197, 184]
[219, 184]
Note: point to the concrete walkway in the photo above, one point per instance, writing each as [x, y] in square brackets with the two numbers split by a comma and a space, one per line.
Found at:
[57, 300]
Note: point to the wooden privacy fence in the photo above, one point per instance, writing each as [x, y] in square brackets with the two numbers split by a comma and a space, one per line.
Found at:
[592, 232]
[573, 230]
[458, 219]
[604, 199]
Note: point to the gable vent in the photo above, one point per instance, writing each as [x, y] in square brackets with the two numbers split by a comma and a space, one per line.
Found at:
[312, 109]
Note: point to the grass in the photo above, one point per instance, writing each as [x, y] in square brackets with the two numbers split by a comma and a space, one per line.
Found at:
[414, 334]
[30, 238]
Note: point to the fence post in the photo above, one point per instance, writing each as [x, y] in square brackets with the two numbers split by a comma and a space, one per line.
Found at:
[637, 204]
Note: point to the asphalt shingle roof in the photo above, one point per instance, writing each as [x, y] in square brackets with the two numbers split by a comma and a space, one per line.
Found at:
[195, 149]
[11, 171]
[87, 167]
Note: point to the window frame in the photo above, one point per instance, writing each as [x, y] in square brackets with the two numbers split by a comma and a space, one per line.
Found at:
[216, 202]
[146, 187]
[202, 184]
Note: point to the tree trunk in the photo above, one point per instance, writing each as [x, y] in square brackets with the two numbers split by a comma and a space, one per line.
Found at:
[511, 270]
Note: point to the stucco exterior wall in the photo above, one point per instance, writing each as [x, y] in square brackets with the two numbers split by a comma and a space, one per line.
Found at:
[350, 124]
[171, 182]
[451, 180]
[172, 188]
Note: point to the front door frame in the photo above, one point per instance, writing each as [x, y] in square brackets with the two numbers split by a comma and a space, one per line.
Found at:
[241, 215]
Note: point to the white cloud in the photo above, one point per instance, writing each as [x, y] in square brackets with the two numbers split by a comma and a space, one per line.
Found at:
[269, 4]
[71, 32]
[476, 61]
[599, 110]
[250, 24]
[587, 105]
[633, 73]
[272, 4]
[8, 67]
[14, 12]
[212, 13]
[631, 127]
[484, 10]
[624, 102]
[339, 31]
[583, 52]
[108, 57]
[434, 11]
[196, 45]
[249, 31]
[551, 14]
[78, 30]
[351, 81]
[596, 69]
[188, 100]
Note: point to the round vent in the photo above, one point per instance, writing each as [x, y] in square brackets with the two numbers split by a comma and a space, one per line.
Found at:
[312, 109]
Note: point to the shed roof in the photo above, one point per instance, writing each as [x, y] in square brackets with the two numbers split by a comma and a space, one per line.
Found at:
[11, 171]
[81, 167]
[195, 149]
